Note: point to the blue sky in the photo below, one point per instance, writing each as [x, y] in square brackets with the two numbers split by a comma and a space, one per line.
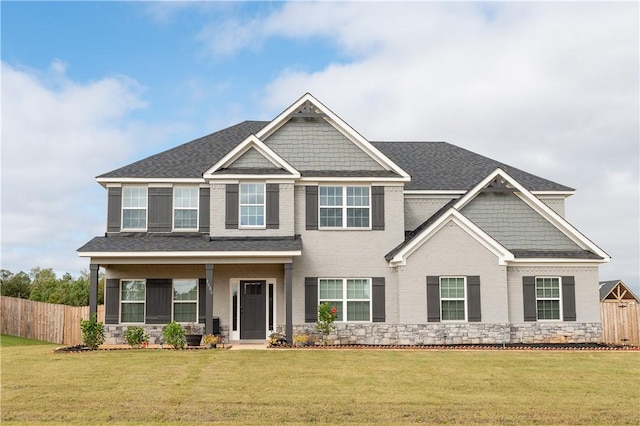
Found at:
[87, 87]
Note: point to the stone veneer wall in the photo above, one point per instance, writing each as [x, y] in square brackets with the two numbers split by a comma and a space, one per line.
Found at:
[114, 334]
[461, 333]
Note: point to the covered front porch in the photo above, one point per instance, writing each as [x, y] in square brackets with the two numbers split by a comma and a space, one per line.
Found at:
[249, 294]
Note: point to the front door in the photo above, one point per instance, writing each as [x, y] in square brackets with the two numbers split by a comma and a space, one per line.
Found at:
[252, 309]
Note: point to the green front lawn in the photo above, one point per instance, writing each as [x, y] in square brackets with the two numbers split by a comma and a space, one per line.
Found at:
[320, 386]
[7, 341]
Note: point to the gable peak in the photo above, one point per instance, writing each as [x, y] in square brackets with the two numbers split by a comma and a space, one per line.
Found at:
[307, 110]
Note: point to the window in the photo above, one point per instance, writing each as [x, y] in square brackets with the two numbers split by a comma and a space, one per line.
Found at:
[548, 298]
[134, 207]
[452, 299]
[252, 205]
[185, 300]
[185, 207]
[354, 295]
[345, 207]
[132, 299]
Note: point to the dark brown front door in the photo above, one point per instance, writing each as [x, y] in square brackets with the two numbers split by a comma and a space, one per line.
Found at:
[252, 309]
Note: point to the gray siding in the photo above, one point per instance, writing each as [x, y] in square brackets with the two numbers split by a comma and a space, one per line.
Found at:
[419, 209]
[452, 252]
[554, 203]
[252, 159]
[514, 224]
[316, 145]
[348, 253]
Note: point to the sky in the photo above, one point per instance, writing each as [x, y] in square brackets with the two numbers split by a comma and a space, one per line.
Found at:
[87, 87]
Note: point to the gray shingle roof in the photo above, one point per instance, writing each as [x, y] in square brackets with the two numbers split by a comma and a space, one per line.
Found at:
[192, 159]
[442, 166]
[554, 254]
[432, 165]
[188, 242]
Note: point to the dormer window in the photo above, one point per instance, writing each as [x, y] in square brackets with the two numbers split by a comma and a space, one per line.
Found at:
[134, 207]
[252, 196]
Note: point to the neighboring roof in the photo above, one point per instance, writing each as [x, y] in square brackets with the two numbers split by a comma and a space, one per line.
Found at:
[189, 243]
[606, 287]
[443, 166]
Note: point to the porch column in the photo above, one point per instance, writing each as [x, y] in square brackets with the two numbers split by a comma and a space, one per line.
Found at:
[288, 301]
[93, 289]
[208, 304]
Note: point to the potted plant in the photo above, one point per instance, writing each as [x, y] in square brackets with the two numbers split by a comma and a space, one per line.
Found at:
[210, 340]
[193, 334]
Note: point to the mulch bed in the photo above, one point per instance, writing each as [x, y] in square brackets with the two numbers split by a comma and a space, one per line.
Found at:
[507, 346]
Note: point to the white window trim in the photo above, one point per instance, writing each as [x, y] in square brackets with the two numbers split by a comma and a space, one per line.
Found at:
[144, 302]
[173, 301]
[344, 299]
[559, 298]
[344, 208]
[464, 284]
[146, 209]
[263, 204]
[197, 209]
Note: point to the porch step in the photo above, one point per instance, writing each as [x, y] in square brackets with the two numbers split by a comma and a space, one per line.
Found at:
[247, 344]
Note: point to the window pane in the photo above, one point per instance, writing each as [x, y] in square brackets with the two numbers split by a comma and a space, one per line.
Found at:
[185, 290]
[134, 196]
[133, 290]
[185, 197]
[357, 218]
[358, 289]
[331, 289]
[547, 288]
[452, 310]
[134, 218]
[186, 219]
[184, 312]
[330, 196]
[252, 216]
[452, 288]
[331, 217]
[549, 309]
[252, 193]
[358, 311]
[357, 196]
[132, 312]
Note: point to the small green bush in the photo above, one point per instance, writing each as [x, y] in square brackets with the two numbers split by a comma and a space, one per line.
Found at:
[92, 332]
[135, 336]
[174, 335]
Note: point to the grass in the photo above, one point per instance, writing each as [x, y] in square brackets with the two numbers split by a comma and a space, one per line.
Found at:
[319, 386]
[8, 341]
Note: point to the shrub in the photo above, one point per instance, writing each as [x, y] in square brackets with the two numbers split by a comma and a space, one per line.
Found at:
[92, 332]
[174, 335]
[327, 314]
[135, 336]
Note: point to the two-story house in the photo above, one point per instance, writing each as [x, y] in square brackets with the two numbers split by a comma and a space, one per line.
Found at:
[248, 229]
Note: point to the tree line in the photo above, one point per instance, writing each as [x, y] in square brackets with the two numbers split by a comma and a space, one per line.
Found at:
[42, 285]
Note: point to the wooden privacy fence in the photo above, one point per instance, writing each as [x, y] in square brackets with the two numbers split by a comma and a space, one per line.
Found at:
[44, 321]
[620, 321]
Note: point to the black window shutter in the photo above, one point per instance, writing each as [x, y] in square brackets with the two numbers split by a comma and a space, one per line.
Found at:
[311, 208]
[231, 207]
[160, 209]
[433, 298]
[273, 206]
[158, 309]
[114, 213]
[310, 299]
[204, 212]
[568, 298]
[529, 298]
[377, 299]
[473, 299]
[202, 298]
[112, 301]
[377, 208]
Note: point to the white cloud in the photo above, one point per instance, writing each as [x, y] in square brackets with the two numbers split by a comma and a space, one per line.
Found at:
[551, 88]
[57, 135]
